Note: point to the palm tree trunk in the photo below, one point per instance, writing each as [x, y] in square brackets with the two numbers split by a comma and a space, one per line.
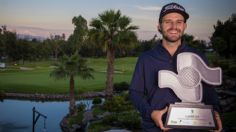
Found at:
[72, 107]
[110, 71]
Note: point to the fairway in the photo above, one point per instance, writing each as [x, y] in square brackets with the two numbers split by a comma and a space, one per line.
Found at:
[33, 77]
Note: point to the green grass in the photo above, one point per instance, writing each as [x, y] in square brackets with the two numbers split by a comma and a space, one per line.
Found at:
[37, 79]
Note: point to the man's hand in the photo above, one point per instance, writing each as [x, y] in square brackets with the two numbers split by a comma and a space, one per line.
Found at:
[218, 121]
[157, 118]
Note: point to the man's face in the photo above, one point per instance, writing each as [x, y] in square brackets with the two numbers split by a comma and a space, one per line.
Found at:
[172, 27]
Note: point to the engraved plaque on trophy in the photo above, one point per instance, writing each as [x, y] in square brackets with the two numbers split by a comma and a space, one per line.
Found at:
[190, 113]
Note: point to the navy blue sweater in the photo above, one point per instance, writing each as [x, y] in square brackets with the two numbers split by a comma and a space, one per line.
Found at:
[144, 91]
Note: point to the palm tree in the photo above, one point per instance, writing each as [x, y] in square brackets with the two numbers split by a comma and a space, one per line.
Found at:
[69, 67]
[112, 29]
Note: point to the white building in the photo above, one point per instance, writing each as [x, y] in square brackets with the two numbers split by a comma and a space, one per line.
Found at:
[2, 65]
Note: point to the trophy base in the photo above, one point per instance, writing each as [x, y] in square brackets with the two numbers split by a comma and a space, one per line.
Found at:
[190, 116]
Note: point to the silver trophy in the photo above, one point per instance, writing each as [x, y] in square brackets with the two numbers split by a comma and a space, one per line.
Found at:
[190, 113]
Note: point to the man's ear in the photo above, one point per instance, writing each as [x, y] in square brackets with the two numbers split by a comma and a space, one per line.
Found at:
[159, 28]
[185, 26]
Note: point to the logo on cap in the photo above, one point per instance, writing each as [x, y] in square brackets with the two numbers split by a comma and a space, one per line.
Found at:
[173, 7]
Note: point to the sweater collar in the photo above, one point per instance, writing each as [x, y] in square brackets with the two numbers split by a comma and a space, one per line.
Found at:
[161, 47]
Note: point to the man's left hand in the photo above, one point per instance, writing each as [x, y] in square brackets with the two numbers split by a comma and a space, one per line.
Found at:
[218, 121]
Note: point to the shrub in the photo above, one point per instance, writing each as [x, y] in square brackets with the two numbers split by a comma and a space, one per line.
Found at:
[98, 110]
[224, 64]
[97, 100]
[111, 120]
[130, 120]
[78, 119]
[98, 126]
[232, 71]
[122, 86]
[81, 107]
[229, 121]
[117, 104]
[125, 95]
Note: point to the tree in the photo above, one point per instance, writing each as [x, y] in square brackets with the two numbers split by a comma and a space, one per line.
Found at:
[2, 43]
[79, 36]
[198, 44]
[24, 49]
[12, 48]
[55, 43]
[44, 50]
[8, 44]
[111, 29]
[69, 67]
[70, 64]
[226, 33]
[92, 49]
[220, 45]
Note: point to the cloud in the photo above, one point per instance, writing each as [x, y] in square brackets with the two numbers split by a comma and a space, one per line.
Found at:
[149, 8]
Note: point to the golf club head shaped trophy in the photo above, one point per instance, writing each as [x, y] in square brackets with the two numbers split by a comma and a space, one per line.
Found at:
[190, 113]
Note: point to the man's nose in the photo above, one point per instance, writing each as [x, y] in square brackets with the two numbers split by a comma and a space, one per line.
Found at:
[174, 25]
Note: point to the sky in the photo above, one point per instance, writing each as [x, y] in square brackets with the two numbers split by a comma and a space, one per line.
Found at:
[45, 17]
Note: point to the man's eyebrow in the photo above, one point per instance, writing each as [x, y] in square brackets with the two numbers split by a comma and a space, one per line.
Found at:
[173, 20]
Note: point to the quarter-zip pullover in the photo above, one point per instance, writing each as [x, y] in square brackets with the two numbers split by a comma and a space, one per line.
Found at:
[144, 91]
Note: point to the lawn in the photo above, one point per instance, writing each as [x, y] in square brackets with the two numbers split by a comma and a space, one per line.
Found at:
[33, 77]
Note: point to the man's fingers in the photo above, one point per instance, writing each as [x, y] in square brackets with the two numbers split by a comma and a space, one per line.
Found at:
[157, 118]
[165, 129]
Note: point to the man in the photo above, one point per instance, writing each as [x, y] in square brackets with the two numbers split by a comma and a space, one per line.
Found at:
[151, 101]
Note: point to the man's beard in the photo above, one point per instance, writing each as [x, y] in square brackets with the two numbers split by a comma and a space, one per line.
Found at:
[172, 40]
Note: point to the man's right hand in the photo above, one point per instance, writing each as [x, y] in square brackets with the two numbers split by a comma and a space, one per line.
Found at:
[157, 118]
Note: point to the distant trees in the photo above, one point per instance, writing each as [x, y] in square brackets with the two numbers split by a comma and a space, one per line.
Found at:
[54, 44]
[16, 49]
[2, 42]
[82, 39]
[145, 45]
[198, 44]
[113, 31]
[110, 35]
[8, 44]
[224, 37]
[25, 50]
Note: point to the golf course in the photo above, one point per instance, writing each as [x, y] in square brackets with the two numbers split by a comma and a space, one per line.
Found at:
[34, 77]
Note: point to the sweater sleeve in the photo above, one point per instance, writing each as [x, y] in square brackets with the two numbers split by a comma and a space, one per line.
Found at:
[137, 91]
[210, 97]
